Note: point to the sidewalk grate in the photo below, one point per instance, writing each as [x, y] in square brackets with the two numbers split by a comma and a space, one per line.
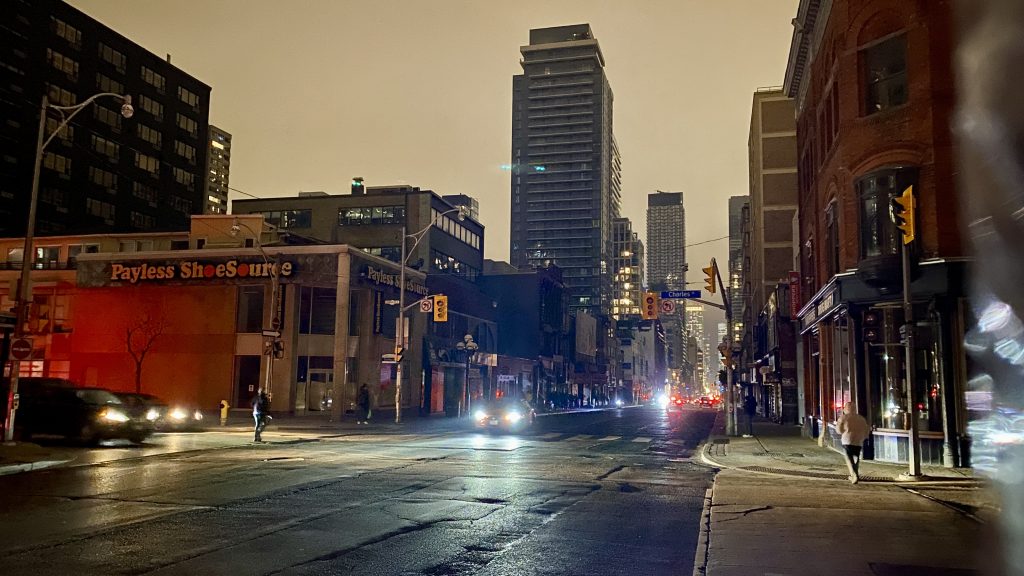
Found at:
[805, 474]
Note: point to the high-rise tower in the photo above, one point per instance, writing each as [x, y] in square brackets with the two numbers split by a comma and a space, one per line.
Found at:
[565, 163]
[218, 170]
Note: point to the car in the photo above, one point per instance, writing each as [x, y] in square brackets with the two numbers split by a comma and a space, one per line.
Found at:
[164, 416]
[78, 413]
[506, 414]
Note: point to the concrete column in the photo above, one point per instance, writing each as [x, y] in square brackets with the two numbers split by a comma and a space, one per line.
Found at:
[340, 390]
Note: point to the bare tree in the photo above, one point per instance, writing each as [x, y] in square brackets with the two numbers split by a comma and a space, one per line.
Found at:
[140, 336]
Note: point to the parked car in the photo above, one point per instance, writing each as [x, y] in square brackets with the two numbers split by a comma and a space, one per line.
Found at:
[164, 416]
[508, 414]
[86, 414]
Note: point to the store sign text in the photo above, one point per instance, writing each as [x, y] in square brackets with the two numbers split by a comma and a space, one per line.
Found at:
[198, 271]
[381, 277]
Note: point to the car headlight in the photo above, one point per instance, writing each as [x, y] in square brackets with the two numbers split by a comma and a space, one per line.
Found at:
[663, 401]
[618, 402]
[152, 414]
[197, 415]
[480, 415]
[513, 417]
[113, 415]
[178, 414]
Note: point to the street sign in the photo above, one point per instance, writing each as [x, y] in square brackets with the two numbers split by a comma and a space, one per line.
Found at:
[388, 359]
[668, 306]
[272, 333]
[427, 305]
[21, 348]
[680, 294]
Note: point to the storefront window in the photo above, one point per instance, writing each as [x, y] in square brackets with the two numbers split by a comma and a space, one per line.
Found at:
[842, 389]
[316, 310]
[878, 234]
[250, 309]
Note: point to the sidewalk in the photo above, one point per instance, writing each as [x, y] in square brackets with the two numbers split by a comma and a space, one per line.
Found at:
[25, 456]
[782, 505]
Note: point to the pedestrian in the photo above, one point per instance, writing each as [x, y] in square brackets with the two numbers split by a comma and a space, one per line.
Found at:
[855, 430]
[363, 402]
[750, 407]
[260, 408]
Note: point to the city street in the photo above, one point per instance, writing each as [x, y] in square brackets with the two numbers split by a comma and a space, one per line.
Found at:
[610, 492]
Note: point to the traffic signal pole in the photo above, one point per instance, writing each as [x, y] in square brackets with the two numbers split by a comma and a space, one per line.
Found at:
[904, 208]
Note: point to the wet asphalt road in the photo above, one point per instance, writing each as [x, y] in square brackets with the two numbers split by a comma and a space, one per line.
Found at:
[607, 492]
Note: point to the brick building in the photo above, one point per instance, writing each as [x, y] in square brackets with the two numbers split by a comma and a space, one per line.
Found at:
[874, 96]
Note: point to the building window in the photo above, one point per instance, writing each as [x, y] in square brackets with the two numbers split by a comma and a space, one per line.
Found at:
[66, 31]
[152, 106]
[147, 163]
[142, 221]
[105, 147]
[393, 253]
[832, 239]
[154, 79]
[446, 264]
[188, 97]
[103, 178]
[185, 151]
[878, 233]
[183, 205]
[75, 249]
[112, 56]
[146, 193]
[289, 218]
[188, 125]
[107, 84]
[100, 209]
[57, 163]
[885, 74]
[249, 317]
[56, 198]
[62, 63]
[316, 310]
[371, 215]
[108, 117]
[67, 133]
[185, 178]
[149, 135]
[59, 96]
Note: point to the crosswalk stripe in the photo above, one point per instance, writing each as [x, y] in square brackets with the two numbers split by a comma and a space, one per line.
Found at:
[609, 438]
[580, 438]
[551, 435]
[642, 439]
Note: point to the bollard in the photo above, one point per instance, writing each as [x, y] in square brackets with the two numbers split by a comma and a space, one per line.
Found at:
[224, 407]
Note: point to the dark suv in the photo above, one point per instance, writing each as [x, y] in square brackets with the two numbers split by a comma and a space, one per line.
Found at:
[56, 407]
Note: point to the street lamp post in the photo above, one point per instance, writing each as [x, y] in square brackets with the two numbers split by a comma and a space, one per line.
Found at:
[27, 254]
[400, 333]
[468, 346]
[275, 319]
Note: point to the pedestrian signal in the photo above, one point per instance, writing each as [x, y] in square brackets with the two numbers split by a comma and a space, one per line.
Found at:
[440, 308]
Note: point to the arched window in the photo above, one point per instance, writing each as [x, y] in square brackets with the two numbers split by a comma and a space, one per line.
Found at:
[878, 234]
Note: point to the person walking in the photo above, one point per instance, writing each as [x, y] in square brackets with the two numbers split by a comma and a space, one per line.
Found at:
[855, 430]
[260, 407]
[363, 401]
[750, 407]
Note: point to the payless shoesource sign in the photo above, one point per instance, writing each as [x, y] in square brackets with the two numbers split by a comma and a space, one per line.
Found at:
[136, 272]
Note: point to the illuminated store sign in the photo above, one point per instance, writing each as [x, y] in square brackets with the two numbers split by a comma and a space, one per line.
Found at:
[379, 276]
[195, 270]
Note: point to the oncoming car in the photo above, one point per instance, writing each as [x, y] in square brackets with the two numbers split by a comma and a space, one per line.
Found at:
[85, 414]
[504, 414]
[163, 416]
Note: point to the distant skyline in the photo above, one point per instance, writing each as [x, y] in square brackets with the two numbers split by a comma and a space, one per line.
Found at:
[420, 93]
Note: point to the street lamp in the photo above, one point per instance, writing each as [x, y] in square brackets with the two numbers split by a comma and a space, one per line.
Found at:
[275, 320]
[27, 254]
[400, 340]
[468, 346]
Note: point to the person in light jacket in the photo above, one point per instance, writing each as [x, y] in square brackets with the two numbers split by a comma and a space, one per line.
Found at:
[855, 430]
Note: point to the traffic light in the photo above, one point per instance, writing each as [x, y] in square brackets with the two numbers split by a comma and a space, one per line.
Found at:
[440, 308]
[357, 186]
[710, 280]
[649, 309]
[903, 214]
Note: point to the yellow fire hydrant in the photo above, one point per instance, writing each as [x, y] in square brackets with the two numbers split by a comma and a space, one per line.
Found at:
[224, 407]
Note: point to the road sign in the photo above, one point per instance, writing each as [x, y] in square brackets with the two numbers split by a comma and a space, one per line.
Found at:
[388, 359]
[272, 333]
[427, 305]
[680, 294]
[668, 306]
[21, 348]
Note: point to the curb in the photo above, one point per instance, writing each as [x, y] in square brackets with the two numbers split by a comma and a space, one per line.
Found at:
[700, 556]
[30, 466]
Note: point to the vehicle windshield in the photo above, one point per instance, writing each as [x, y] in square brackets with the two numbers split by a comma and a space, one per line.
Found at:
[94, 396]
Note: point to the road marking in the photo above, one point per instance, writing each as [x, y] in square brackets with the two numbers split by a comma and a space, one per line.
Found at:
[552, 435]
[609, 438]
[580, 438]
[642, 439]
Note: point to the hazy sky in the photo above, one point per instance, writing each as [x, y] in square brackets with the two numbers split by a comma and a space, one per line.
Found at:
[315, 92]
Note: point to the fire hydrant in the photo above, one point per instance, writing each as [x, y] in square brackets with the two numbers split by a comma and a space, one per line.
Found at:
[224, 407]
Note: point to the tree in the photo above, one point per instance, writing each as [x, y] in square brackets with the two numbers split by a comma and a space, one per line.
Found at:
[140, 336]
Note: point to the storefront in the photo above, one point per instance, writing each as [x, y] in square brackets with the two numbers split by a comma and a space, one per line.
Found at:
[854, 352]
